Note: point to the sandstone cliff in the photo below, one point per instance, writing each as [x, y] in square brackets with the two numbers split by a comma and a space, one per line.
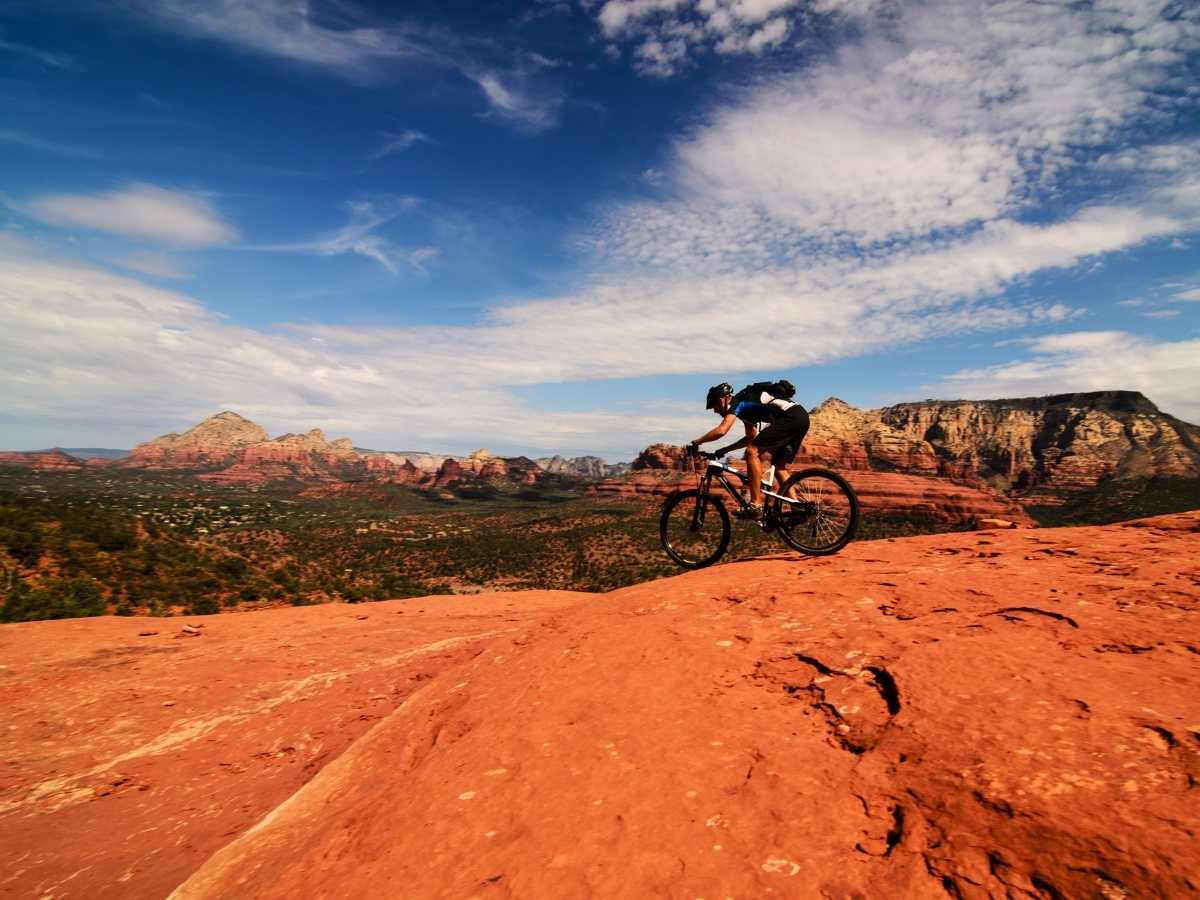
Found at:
[997, 714]
[216, 441]
[1042, 450]
[306, 457]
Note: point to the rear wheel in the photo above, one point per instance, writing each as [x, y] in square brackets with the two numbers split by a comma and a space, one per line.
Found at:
[822, 515]
[694, 528]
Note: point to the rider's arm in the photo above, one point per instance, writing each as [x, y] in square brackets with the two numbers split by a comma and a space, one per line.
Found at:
[751, 431]
[718, 432]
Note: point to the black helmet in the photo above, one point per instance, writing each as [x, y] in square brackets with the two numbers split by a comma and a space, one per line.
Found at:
[716, 392]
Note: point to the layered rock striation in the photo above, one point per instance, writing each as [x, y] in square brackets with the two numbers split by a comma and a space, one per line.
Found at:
[307, 457]
[1041, 450]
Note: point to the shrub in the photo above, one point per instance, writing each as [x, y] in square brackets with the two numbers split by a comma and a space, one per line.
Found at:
[204, 606]
[55, 598]
[232, 566]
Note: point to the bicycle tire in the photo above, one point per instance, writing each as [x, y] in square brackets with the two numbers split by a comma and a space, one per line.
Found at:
[676, 522]
[836, 517]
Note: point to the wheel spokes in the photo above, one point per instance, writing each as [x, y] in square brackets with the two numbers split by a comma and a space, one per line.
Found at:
[820, 511]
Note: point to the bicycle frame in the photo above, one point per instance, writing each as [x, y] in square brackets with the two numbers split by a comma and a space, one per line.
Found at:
[719, 470]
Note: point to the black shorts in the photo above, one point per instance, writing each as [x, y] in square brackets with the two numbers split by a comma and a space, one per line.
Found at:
[783, 436]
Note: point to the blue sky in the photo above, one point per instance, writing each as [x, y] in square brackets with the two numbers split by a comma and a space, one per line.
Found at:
[550, 226]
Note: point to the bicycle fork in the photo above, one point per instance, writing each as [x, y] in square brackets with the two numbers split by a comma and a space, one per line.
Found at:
[698, 512]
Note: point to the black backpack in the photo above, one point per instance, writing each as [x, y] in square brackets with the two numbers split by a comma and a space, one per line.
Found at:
[781, 390]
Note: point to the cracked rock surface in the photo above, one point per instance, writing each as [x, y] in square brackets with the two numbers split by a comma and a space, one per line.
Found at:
[984, 714]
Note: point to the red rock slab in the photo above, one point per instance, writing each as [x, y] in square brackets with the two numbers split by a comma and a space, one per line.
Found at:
[134, 748]
[998, 714]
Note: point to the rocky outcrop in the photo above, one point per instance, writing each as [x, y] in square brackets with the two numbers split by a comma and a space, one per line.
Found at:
[475, 468]
[391, 469]
[660, 456]
[426, 463]
[306, 457]
[42, 460]
[589, 468]
[1009, 713]
[215, 442]
[848, 438]
[1042, 450]
[450, 473]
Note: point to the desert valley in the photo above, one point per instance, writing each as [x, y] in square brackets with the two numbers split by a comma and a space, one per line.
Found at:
[224, 517]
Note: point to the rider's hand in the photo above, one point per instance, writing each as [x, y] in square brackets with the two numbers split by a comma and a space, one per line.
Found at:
[717, 454]
[693, 448]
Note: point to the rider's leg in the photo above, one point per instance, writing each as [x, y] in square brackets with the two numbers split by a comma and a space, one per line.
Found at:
[754, 467]
[783, 465]
[764, 462]
[781, 476]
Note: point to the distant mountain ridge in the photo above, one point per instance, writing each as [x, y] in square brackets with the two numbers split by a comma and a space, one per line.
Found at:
[229, 448]
[591, 467]
[89, 452]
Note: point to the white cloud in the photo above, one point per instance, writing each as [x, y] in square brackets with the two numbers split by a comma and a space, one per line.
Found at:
[1168, 372]
[616, 16]
[84, 352]
[956, 114]
[157, 264]
[140, 211]
[343, 42]
[359, 236]
[518, 99]
[398, 143]
[667, 33]
[1173, 157]
[1193, 294]
[290, 30]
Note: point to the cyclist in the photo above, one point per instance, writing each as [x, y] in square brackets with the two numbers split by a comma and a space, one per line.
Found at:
[776, 444]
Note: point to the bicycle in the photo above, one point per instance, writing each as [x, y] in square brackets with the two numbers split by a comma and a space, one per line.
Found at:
[815, 512]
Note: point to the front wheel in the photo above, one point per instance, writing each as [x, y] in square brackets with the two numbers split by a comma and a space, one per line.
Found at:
[820, 515]
[694, 528]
